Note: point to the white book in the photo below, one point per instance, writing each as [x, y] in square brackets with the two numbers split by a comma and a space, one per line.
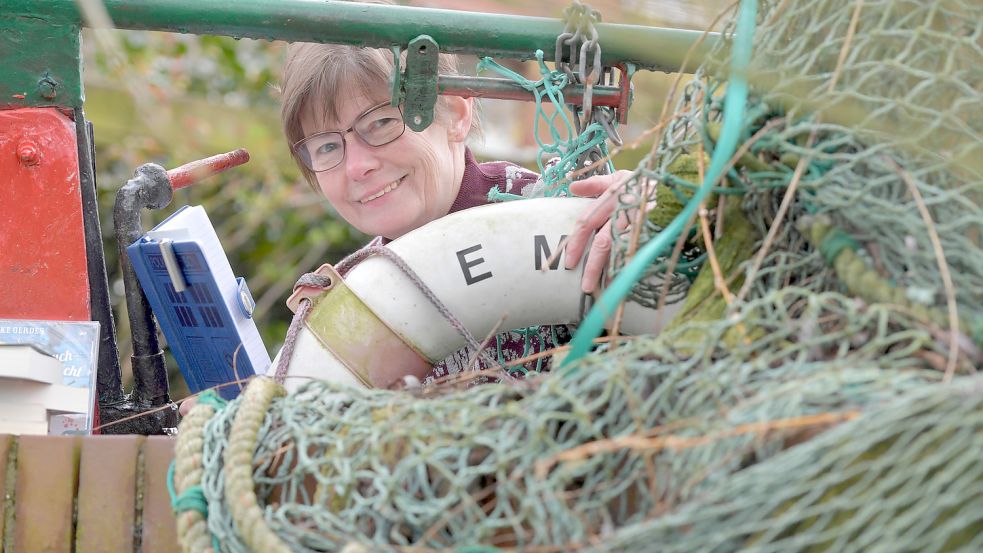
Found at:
[54, 397]
[22, 428]
[23, 412]
[26, 362]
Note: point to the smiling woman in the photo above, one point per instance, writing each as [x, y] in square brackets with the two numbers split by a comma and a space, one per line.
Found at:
[386, 180]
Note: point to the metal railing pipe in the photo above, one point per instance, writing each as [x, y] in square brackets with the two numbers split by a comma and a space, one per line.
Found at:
[504, 89]
[375, 25]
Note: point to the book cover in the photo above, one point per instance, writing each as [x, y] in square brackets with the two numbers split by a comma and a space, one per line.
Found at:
[75, 344]
[203, 310]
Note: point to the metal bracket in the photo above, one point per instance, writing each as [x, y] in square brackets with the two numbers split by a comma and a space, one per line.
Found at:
[627, 90]
[396, 80]
[421, 82]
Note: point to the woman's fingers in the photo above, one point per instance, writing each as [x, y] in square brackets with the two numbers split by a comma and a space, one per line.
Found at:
[597, 260]
[597, 214]
[591, 187]
[606, 189]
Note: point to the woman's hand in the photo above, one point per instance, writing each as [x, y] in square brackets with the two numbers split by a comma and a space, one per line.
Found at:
[596, 218]
[187, 404]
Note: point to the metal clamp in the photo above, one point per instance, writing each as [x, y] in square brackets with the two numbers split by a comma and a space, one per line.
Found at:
[396, 84]
[420, 86]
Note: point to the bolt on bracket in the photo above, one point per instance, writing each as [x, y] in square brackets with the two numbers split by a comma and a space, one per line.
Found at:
[420, 84]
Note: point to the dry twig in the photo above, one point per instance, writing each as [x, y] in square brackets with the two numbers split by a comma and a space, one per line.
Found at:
[658, 443]
[950, 289]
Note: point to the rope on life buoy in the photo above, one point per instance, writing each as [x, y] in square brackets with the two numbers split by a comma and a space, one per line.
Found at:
[311, 280]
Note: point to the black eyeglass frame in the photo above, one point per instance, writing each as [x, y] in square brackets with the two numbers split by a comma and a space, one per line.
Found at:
[304, 155]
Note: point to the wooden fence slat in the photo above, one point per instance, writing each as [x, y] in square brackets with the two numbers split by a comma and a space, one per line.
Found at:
[6, 441]
[47, 472]
[159, 526]
[107, 494]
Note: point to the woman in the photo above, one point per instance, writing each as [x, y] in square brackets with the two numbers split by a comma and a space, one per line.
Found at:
[387, 180]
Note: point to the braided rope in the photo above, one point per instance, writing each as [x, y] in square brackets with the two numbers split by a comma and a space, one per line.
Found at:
[290, 341]
[308, 280]
[840, 251]
[184, 477]
[239, 486]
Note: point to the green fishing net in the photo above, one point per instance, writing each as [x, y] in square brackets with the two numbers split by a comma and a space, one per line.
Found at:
[814, 397]
[895, 103]
[903, 477]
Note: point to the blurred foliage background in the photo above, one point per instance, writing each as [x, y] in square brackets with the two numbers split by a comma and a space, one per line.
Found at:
[171, 98]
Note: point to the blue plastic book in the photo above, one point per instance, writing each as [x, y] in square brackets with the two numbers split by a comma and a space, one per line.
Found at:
[204, 311]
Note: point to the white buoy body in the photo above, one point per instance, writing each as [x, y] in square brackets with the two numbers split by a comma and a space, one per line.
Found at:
[490, 266]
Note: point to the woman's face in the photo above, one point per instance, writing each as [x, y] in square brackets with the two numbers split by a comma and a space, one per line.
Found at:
[392, 189]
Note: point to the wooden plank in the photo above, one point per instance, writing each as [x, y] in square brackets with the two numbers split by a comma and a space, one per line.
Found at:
[107, 494]
[6, 441]
[47, 472]
[159, 526]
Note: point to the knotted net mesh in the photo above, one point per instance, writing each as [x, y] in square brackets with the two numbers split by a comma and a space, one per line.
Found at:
[868, 98]
[815, 396]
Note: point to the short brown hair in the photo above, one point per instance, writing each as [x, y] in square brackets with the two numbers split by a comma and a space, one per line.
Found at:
[317, 74]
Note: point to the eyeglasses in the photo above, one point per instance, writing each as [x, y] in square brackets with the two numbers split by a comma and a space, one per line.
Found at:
[377, 126]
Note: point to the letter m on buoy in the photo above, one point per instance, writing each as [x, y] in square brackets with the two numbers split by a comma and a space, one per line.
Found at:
[543, 251]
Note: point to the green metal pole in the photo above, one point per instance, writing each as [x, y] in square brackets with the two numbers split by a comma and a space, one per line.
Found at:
[504, 89]
[40, 61]
[379, 26]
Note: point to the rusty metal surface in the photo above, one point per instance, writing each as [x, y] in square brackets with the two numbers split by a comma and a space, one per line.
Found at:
[43, 267]
[504, 89]
[149, 188]
[192, 172]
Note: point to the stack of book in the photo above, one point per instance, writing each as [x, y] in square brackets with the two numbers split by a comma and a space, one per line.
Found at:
[31, 390]
[47, 376]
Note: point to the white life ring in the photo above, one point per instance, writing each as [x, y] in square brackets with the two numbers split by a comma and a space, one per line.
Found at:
[487, 264]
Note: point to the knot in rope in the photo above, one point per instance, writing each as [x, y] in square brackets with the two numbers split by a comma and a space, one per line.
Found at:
[212, 399]
[191, 499]
[835, 242]
[313, 280]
